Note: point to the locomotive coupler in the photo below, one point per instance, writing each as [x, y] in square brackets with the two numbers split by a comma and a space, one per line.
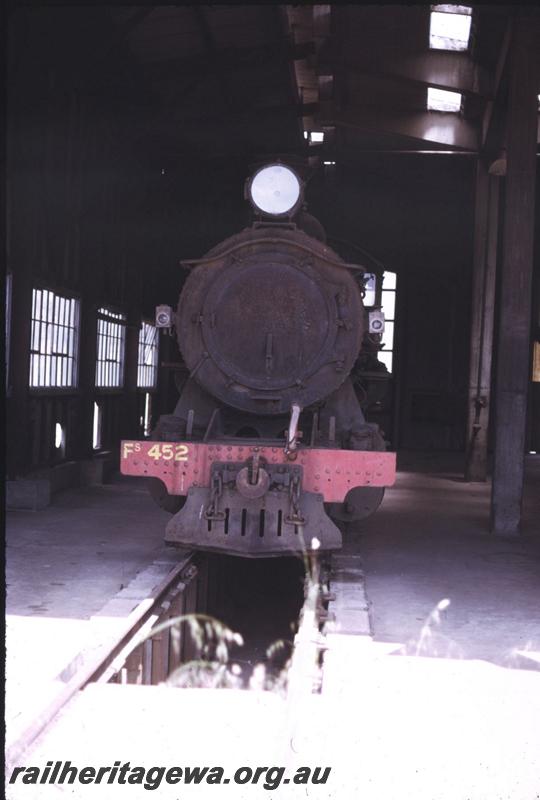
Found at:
[253, 481]
[212, 512]
[294, 516]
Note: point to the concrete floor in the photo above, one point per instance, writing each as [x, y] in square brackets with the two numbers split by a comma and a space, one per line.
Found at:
[429, 541]
[63, 564]
[449, 727]
[70, 558]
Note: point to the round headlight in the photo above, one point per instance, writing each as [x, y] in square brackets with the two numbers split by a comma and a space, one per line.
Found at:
[275, 189]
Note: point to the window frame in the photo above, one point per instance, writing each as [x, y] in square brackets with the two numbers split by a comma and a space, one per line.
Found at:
[392, 349]
[64, 294]
[112, 314]
[450, 9]
[144, 387]
[433, 110]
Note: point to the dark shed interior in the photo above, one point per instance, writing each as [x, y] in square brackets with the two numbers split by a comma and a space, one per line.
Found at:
[131, 132]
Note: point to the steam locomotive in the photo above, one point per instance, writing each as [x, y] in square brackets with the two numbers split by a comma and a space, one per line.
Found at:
[268, 445]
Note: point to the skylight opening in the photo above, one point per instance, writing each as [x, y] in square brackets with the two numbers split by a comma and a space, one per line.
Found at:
[450, 27]
[314, 137]
[441, 100]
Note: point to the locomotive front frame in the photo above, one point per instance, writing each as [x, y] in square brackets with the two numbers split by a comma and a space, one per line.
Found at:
[253, 498]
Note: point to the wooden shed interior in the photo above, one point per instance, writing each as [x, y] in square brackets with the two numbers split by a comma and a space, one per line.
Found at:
[132, 129]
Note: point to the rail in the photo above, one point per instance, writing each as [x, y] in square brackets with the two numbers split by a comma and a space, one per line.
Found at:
[124, 657]
[132, 655]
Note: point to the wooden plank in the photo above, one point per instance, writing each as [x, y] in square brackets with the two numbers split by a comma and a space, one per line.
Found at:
[516, 277]
[189, 649]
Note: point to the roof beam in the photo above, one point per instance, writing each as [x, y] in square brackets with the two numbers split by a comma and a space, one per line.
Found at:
[451, 71]
[310, 24]
[493, 132]
[426, 127]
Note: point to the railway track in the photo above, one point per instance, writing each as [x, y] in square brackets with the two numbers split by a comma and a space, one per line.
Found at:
[126, 654]
[132, 655]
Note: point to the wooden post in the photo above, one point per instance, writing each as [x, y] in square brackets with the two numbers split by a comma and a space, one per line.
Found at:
[516, 278]
[129, 428]
[483, 305]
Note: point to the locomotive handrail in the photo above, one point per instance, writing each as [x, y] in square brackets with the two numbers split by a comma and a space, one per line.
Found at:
[190, 263]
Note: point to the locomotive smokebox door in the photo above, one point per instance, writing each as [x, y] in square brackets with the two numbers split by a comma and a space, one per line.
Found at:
[276, 323]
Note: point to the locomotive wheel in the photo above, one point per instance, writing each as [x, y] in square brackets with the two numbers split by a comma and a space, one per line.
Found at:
[171, 503]
[168, 502]
[360, 503]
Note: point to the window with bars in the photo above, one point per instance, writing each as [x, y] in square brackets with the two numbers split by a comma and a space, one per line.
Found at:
[54, 340]
[111, 343]
[388, 306]
[147, 365]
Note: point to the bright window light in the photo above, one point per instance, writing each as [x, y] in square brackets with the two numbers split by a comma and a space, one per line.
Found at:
[96, 428]
[329, 163]
[316, 137]
[306, 134]
[111, 342]
[450, 27]
[146, 420]
[441, 100]
[147, 366]
[53, 345]
[58, 436]
[370, 283]
[388, 306]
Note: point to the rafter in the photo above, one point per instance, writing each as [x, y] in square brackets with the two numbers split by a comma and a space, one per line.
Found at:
[426, 127]
[452, 71]
[493, 124]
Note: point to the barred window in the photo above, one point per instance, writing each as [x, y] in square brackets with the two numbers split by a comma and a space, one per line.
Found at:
[54, 340]
[147, 365]
[111, 343]
[388, 303]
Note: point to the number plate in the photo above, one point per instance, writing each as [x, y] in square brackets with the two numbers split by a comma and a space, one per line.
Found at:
[325, 471]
